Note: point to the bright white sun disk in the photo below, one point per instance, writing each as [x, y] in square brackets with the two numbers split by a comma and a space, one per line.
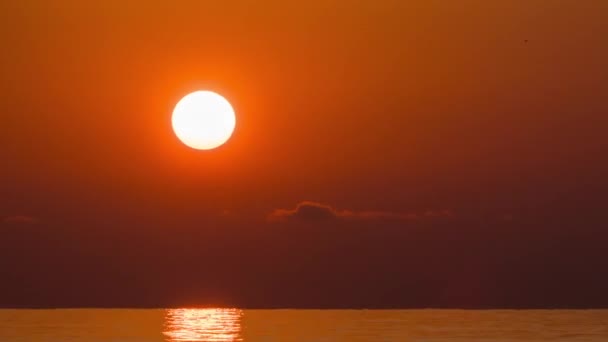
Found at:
[203, 120]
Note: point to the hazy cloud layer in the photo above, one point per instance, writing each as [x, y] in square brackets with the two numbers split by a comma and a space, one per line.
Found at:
[19, 219]
[314, 211]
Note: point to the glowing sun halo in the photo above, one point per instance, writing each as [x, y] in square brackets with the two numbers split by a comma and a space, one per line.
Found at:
[203, 120]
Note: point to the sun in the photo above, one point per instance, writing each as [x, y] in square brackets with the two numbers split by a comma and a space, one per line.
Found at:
[203, 120]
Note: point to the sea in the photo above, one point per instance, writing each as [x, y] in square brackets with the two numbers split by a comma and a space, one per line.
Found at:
[222, 324]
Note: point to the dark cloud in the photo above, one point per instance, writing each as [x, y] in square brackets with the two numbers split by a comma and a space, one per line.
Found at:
[314, 211]
[305, 211]
[19, 219]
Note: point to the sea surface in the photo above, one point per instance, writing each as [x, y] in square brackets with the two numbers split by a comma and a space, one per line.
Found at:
[109, 325]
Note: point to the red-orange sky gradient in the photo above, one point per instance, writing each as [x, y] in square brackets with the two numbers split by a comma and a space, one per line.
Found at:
[386, 154]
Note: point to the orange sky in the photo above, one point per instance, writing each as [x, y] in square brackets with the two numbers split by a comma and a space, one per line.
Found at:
[484, 109]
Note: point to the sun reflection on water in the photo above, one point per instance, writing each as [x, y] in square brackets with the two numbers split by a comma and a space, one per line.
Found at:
[203, 325]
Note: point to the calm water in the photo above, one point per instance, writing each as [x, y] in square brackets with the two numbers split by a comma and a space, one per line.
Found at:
[300, 325]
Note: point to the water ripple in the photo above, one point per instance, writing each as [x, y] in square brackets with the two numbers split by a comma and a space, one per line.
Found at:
[212, 325]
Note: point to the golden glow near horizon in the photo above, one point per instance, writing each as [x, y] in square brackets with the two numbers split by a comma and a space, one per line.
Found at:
[203, 120]
[203, 325]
